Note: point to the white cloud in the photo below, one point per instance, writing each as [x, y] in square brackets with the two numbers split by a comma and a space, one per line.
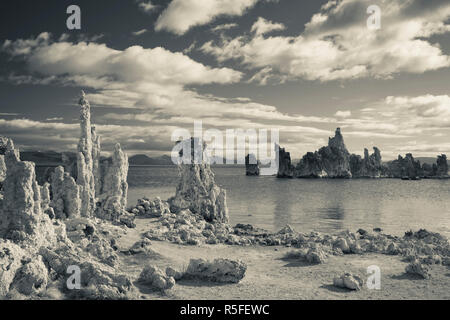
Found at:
[223, 27]
[156, 87]
[181, 15]
[336, 43]
[343, 114]
[263, 26]
[100, 62]
[147, 6]
[139, 32]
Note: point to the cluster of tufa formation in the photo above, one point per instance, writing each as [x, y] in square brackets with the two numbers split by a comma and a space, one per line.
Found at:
[197, 190]
[409, 168]
[368, 167]
[97, 190]
[22, 217]
[46, 229]
[332, 161]
[335, 161]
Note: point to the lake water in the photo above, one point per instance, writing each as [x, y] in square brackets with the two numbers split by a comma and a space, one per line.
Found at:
[315, 205]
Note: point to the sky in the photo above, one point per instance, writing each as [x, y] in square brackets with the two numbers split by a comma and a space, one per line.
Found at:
[303, 67]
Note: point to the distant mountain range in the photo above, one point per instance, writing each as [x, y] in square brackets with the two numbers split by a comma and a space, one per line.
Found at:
[52, 158]
[47, 158]
[143, 160]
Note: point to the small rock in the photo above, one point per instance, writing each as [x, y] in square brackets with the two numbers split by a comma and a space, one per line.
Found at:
[219, 270]
[418, 268]
[154, 277]
[348, 281]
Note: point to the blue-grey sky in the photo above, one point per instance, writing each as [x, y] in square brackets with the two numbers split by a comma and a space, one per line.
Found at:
[304, 67]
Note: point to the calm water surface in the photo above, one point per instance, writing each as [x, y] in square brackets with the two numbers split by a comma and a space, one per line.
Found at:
[315, 205]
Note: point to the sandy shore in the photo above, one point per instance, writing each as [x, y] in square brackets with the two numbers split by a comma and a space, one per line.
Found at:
[270, 276]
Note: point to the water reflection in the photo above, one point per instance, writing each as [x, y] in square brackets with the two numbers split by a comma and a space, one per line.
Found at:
[317, 205]
[333, 216]
[284, 203]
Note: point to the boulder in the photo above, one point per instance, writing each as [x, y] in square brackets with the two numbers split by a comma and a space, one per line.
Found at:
[151, 208]
[419, 269]
[31, 278]
[315, 255]
[154, 277]
[219, 270]
[98, 281]
[348, 281]
[11, 256]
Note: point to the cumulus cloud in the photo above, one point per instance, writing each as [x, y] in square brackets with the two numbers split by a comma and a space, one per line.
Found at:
[150, 88]
[263, 26]
[98, 61]
[181, 15]
[336, 43]
[401, 120]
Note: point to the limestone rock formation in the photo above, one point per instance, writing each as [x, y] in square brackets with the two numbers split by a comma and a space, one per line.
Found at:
[335, 157]
[310, 166]
[114, 186]
[151, 208]
[406, 167]
[98, 281]
[348, 281]
[197, 189]
[418, 268]
[442, 166]
[3, 145]
[285, 167]
[66, 202]
[31, 278]
[219, 270]
[368, 167]
[69, 162]
[11, 256]
[156, 278]
[332, 161]
[96, 150]
[22, 218]
[2, 170]
[251, 165]
[85, 160]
